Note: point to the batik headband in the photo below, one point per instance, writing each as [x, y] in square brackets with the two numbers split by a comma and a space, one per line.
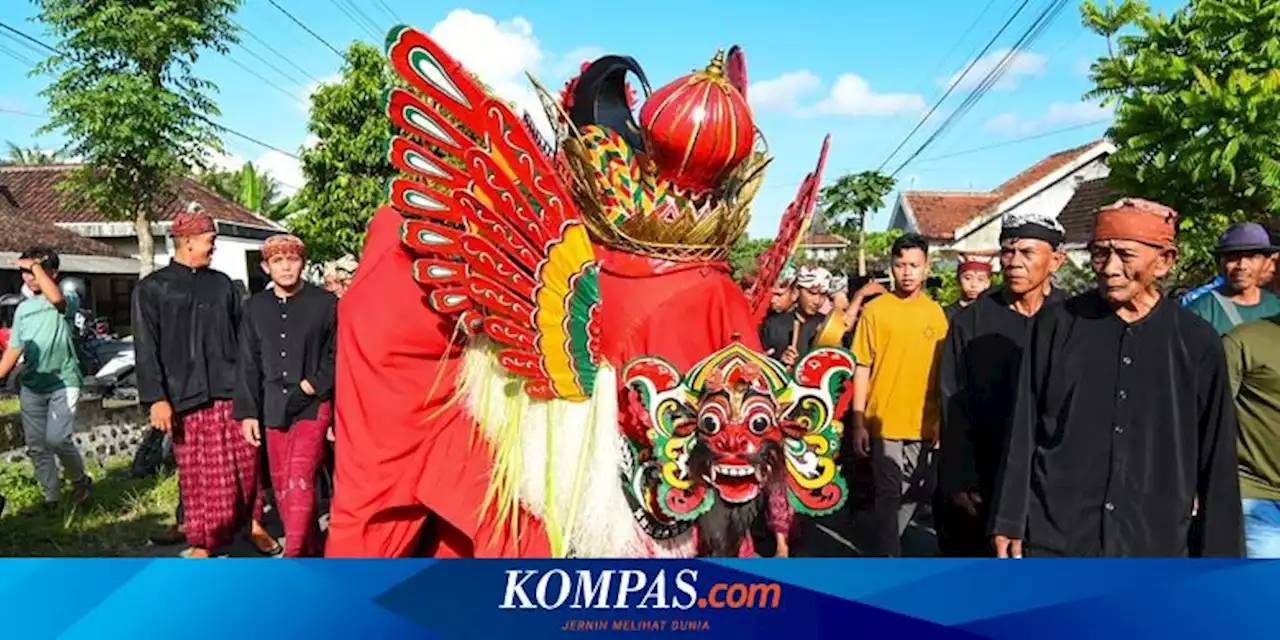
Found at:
[1032, 226]
[284, 245]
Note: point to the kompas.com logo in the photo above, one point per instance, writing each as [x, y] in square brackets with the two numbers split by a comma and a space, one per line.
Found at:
[623, 589]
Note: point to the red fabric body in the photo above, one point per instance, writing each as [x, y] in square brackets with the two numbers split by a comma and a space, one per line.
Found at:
[217, 475]
[404, 452]
[294, 456]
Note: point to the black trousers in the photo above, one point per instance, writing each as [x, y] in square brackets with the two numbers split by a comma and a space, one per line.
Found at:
[961, 535]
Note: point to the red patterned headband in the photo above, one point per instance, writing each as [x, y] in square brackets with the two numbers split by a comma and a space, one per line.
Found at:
[283, 245]
[189, 223]
[1139, 220]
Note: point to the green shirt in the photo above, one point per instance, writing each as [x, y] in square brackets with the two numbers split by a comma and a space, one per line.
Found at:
[1253, 363]
[44, 336]
[1208, 307]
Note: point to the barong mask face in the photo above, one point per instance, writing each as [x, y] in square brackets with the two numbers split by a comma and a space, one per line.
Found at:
[732, 425]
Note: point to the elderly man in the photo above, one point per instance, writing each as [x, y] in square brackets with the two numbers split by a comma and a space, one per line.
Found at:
[1246, 256]
[338, 275]
[789, 335]
[1123, 419]
[979, 379]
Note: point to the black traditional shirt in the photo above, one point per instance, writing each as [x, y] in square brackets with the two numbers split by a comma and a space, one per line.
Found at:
[184, 333]
[1117, 429]
[284, 341]
[979, 380]
[775, 333]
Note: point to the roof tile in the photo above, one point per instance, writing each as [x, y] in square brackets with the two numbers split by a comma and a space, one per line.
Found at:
[34, 187]
[1077, 217]
[19, 233]
[939, 214]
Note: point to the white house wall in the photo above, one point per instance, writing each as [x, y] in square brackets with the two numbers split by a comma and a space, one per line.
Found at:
[1053, 198]
[229, 257]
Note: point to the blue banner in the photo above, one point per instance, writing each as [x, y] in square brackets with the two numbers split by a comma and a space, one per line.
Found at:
[784, 599]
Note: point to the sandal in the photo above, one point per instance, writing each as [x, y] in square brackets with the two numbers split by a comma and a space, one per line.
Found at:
[274, 550]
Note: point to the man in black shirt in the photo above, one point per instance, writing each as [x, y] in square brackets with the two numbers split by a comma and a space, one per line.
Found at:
[285, 384]
[788, 335]
[979, 379]
[1124, 420]
[185, 320]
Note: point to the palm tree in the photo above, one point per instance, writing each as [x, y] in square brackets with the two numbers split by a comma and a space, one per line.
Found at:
[250, 189]
[32, 155]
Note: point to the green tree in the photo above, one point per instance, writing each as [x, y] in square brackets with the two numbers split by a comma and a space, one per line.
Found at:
[745, 252]
[1197, 99]
[845, 205]
[251, 189]
[127, 101]
[32, 155]
[347, 170]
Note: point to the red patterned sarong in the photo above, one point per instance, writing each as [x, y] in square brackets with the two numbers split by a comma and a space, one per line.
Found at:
[217, 475]
[295, 455]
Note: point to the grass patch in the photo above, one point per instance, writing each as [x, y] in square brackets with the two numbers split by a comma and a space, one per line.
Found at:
[115, 521]
[9, 406]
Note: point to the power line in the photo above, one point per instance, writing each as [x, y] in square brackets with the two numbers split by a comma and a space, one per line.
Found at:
[348, 7]
[262, 78]
[252, 139]
[27, 45]
[954, 83]
[389, 11]
[1033, 32]
[26, 37]
[947, 58]
[307, 29]
[208, 120]
[16, 56]
[273, 67]
[268, 47]
[1006, 143]
[20, 113]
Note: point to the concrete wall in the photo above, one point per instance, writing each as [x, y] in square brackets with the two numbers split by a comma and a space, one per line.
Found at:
[101, 432]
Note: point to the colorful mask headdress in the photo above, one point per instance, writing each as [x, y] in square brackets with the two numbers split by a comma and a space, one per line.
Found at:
[727, 412]
[506, 227]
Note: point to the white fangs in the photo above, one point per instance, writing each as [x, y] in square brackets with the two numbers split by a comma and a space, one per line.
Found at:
[735, 471]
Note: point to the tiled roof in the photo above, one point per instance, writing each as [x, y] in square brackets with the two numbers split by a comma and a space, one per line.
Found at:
[1043, 168]
[34, 188]
[1077, 216]
[939, 214]
[18, 233]
[823, 240]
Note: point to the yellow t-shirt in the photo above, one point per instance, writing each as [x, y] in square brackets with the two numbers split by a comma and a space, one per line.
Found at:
[901, 340]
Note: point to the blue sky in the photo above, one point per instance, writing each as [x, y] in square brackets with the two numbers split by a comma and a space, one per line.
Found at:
[865, 72]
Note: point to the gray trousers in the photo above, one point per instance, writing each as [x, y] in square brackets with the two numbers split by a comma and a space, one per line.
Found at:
[902, 475]
[48, 424]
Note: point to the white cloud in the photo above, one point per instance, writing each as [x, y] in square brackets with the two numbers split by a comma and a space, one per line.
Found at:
[852, 96]
[782, 93]
[1020, 65]
[500, 53]
[1059, 114]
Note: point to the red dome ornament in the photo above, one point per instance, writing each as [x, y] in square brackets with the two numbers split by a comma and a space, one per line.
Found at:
[698, 128]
